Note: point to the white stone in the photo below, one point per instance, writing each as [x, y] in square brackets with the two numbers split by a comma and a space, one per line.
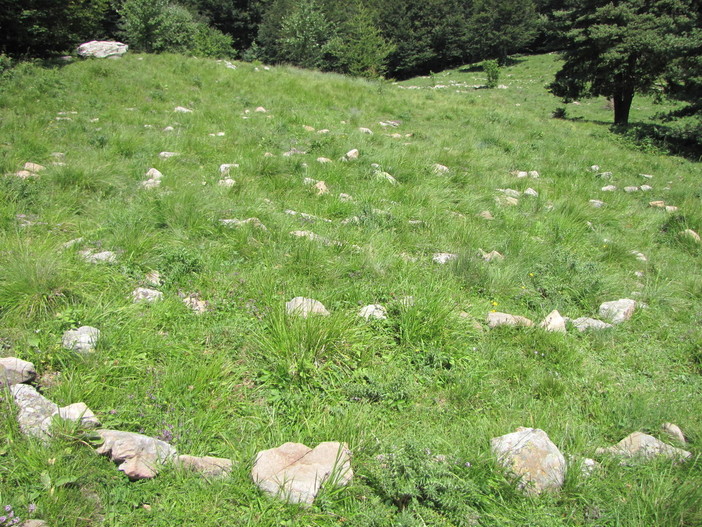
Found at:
[384, 176]
[321, 187]
[554, 322]
[585, 323]
[34, 167]
[304, 307]
[532, 457]
[439, 168]
[533, 174]
[495, 319]
[16, 371]
[182, 109]
[597, 203]
[154, 174]
[617, 311]
[673, 431]
[641, 257]
[492, 255]
[226, 182]
[323, 160]
[225, 168]
[102, 49]
[644, 446]
[82, 340]
[255, 222]
[211, 467]
[79, 413]
[443, 258]
[375, 311]
[646, 188]
[486, 215]
[531, 192]
[154, 278]
[689, 233]
[345, 197]
[261, 109]
[139, 456]
[510, 192]
[631, 189]
[609, 188]
[144, 294]
[168, 155]
[351, 155]
[365, 131]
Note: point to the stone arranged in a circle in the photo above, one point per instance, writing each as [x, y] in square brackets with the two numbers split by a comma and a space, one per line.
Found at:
[295, 472]
[644, 446]
[304, 307]
[139, 456]
[82, 340]
[531, 456]
[16, 371]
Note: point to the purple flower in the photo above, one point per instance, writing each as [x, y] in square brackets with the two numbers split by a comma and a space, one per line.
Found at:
[3, 519]
[32, 507]
[8, 508]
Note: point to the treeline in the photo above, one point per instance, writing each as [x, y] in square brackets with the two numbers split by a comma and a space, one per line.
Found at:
[359, 37]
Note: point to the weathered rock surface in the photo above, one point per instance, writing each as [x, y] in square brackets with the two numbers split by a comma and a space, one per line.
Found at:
[168, 155]
[304, 307]
[585, 324]
[617, 311]
[144, 294]
[35, 410]
[79, 412]
[440, 169]
[227, 182]
[16, 371]
[375, 311]
[554, 322]
[492, 255]
[182, 109]
[673, 431]
[140, 456]
[98, 257]
[295, 472]
[351, 155]
[644, 446]
[530, 455]
[254, 222]
[597, 203]
[486, 215]
[82, 340]
[207, 466]
[443, 258]
[692, 235]
[34, 523]
[102, 49]
[505, 319]
[195, 303]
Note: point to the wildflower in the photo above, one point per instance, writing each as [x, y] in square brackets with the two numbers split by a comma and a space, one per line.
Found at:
[32, 507]
[494, 303]
[531, 274]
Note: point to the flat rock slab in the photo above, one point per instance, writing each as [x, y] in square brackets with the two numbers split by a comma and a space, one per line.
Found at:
[102, 49]
[206, 465]
[79, 412]
[585, 324]
[530, 455]
[295, 472]
[35, 411]
[505, 319]
[82, 340]
[139, 456]
[16, 371]
[304, 307]
[618, 311]
[644, 446]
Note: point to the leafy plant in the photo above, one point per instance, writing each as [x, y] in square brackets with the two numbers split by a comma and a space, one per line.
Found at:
[492, 71]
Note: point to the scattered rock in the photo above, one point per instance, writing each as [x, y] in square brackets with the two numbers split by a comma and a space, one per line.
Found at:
[323, 160]
[100, 257]
[585, 323]
[79, 413]
[496, 319]
[321, 188]
[102, 49]
[224, 168]
[144, 294]
[211, 467]
[365, 131]
[227, 182]
[182, 109]
[595, 168]
[492, 255]
[379, 174]
[323, 131]
[293, 152]
[486, 215]
[532, 457]
[25, 174]
[554, 322]
[34, 167]
[303, 307]
[16, 371]
[345, 197]
[609, 188]
[261, 109]
[254, 222]
[168, 129]
[510, 192]
[35, 411]
[531, 192]
[646, 176]
[659, 204]
[443, 258]
[641, 257]
[34, 523]
[153, 278]
[506, 201]
[168, 155]
[646, 188]
[597, 203]
[673, 431]
[375, 311]
[631, 189]
[617, 311]
[351, 155]
[194, 302]
[82, 340]
[691, 234]
[140, 456]
[644, 446]
[308, 128]
[671, 208]
[295, 472]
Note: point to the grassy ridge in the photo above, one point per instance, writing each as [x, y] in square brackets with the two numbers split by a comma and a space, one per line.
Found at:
[245, 377]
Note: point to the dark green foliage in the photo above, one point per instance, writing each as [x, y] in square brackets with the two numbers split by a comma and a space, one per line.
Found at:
[492, 71]
[618, 50]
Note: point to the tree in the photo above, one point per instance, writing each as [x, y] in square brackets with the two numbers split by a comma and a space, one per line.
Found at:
[618, 48]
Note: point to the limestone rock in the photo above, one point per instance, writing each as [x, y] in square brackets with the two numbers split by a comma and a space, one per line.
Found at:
[631, 189]
[33, 167]
[35, 411]
[261, 109]
[323, 160]
[351, 155]
[585, 323]
[673, 431]
[314, 237]
[34, 523]
[505, 319]
[531, 192]
[153, 278]
[671, 208]
[597, 203]
[207, 466]
[254, 222]
[345, 197]
[367, 131]
[140, 456]
[375, 311]
[554, 322]
[440, 169]
[98, 257]
[182, 109]
[609, 188]
[646, 188]
[531, 456]
[197, 304]
[382, 175]
[308, 128]
[492, 255]
[82, 340]
[443, 258]
[293, 152]
[80, 413]
[16, 371]
[486, 215]
[321, 187]
[168, 155]
[144, 294]
[641, 257]
[295, 472]
[507, 201]
[692, 235]
[303, 307]
[102, 49]
[224, 168]
[644, 446]
[226, 182]
[659, 204]
[617, 311]
[510, 192]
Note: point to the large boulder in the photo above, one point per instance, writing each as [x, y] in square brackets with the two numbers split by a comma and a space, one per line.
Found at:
[295, 472]
[531, 456]
[102, 49]
[139, 456]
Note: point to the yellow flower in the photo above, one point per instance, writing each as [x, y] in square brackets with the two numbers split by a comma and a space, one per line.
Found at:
[531, 274]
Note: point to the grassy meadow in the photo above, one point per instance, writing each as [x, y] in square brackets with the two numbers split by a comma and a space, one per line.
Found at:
[430, 379]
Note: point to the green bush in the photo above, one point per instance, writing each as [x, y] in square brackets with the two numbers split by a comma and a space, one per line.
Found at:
[492, 70]
[210, 42]
[304, 36]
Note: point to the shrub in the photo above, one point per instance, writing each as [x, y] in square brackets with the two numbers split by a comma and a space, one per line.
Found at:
[492, 70]
[304, 35]
[210, 42]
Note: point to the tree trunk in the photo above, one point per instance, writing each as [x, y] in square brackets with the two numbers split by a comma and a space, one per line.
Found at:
[622, 105]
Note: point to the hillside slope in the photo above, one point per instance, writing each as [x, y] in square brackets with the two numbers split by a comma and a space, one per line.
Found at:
[431, 378]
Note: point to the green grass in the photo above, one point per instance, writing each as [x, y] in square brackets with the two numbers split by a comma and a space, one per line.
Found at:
[245, 376]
